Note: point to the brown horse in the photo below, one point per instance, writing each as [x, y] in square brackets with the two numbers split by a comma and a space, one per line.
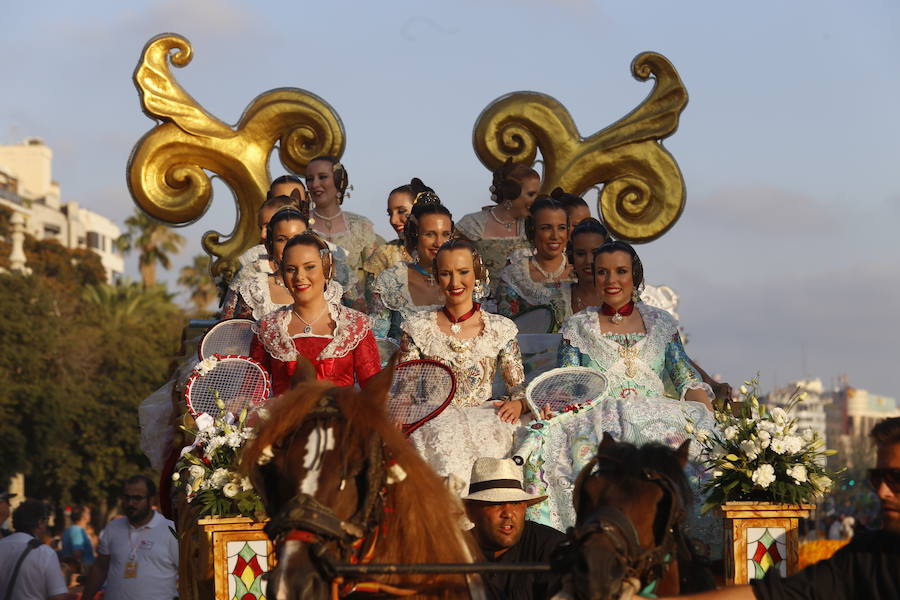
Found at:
[630, 502]
[342, 485]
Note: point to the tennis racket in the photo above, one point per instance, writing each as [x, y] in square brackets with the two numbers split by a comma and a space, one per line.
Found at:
[559, 388]
[387, 347]
[231, 337]
[420, 390]
[535, 320]
[239, 382]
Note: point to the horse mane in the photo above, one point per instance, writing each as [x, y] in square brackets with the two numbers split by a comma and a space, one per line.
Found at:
[421, 516]
[622, 460]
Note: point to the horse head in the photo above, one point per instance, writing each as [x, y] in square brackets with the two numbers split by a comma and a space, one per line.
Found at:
[629, 502]
[320, 471]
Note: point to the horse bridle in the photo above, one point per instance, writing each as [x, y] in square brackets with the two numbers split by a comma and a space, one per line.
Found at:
[305, 519]
[646, 564]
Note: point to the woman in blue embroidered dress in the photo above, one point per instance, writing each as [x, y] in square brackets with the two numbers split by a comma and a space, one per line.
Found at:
[635, 346]
[543, 279]
[410, 287]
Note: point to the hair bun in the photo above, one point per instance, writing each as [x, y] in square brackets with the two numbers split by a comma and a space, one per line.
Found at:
[422, 193]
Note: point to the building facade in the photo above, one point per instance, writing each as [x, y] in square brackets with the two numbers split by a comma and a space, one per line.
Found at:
[810, 412]
[27, 187]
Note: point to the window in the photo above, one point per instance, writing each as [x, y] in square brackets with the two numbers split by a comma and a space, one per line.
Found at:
[51, 231]
[93, 240]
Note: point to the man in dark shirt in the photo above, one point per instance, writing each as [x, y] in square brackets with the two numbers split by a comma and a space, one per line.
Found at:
[496, 505]
[868, 567]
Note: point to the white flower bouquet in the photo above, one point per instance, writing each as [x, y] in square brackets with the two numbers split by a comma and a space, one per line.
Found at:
[207, 469]
[757, 454]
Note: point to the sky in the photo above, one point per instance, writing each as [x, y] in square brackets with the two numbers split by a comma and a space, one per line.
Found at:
[785, 258]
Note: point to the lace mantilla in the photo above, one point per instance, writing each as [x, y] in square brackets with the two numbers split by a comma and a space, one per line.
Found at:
[392, 286]
[358, 240]
[474, 360]
[517, 276]
[350, 329]
[582, 331]
[661, 296]
[252, 284]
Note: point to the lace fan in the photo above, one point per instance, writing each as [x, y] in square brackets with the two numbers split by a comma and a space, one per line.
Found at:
[237, 381]
[535, 320]
[562, 387]
[420, 390]
[231, 337]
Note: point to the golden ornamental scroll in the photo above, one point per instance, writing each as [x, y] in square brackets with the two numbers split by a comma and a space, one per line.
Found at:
[643, 189]
[169, 169]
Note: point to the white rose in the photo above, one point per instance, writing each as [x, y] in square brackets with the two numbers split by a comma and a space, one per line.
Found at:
[204, 422]
[206, 365]
[808, 435]
[794, 444]
[219, 478]
[750, 449]
[231, 489]
[767, 426]
[779, 416]
[731, 432]
[176, 476]
[798, 472]
[765, 439]
[196, 471]
[234, 440]
[764, 476]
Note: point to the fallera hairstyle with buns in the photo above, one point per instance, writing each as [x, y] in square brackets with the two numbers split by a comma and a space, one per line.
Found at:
[426, 202]
[507, 180]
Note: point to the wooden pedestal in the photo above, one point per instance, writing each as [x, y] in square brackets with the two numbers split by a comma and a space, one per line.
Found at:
[760, 536]
[239, 553]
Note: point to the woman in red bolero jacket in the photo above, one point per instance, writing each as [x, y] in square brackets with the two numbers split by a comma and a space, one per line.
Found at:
[337, 340]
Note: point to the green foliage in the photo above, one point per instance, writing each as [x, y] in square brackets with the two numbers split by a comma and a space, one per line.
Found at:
[198, 281]
[77, 356]
[154, 241]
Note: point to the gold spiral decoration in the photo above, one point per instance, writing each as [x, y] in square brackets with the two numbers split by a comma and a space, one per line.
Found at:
[168, 169]
[643, 190]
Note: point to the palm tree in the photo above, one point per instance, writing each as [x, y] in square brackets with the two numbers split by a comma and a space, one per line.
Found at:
[154, 241]
[195, 277]
[126, 303]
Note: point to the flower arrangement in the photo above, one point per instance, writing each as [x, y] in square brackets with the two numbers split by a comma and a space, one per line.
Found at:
[757, 454]
[207, 470]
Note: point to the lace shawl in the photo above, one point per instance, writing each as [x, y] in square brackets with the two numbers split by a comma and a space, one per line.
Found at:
[390, 294]
[582, 331]
[386, 256]
[661, 296]
[350, 329]
[516, 276]
[474, 360]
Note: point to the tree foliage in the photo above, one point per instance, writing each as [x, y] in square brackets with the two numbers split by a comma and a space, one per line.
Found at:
[77, 357]
[198, 281]
[154, 241]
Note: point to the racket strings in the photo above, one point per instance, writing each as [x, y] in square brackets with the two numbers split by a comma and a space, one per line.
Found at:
[560, 390]
[238, 384]
[417, 391]
[228, 338]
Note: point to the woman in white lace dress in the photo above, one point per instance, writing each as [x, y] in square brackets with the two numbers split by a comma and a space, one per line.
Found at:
[258, 287]
[410, 286]
[474, 344]
[544, 278]
[327, 181]
[499, 231]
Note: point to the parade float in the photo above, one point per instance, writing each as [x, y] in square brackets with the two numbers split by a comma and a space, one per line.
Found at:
[224, 550]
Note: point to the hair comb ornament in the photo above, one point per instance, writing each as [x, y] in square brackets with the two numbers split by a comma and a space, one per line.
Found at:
[426, 197]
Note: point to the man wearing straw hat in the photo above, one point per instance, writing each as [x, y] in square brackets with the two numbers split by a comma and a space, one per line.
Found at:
[496, 505]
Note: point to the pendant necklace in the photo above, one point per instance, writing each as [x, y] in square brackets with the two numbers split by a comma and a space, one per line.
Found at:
[507, 224]
[551, 276]
[429, 277]
[617, 316]
[328, 220]
[309, 324]
[455, 326]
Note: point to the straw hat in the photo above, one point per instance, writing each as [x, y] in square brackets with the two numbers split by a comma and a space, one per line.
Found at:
[498, 480]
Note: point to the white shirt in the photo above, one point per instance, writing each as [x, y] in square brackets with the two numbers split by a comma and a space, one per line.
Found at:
[155, 550]
[39, 576]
